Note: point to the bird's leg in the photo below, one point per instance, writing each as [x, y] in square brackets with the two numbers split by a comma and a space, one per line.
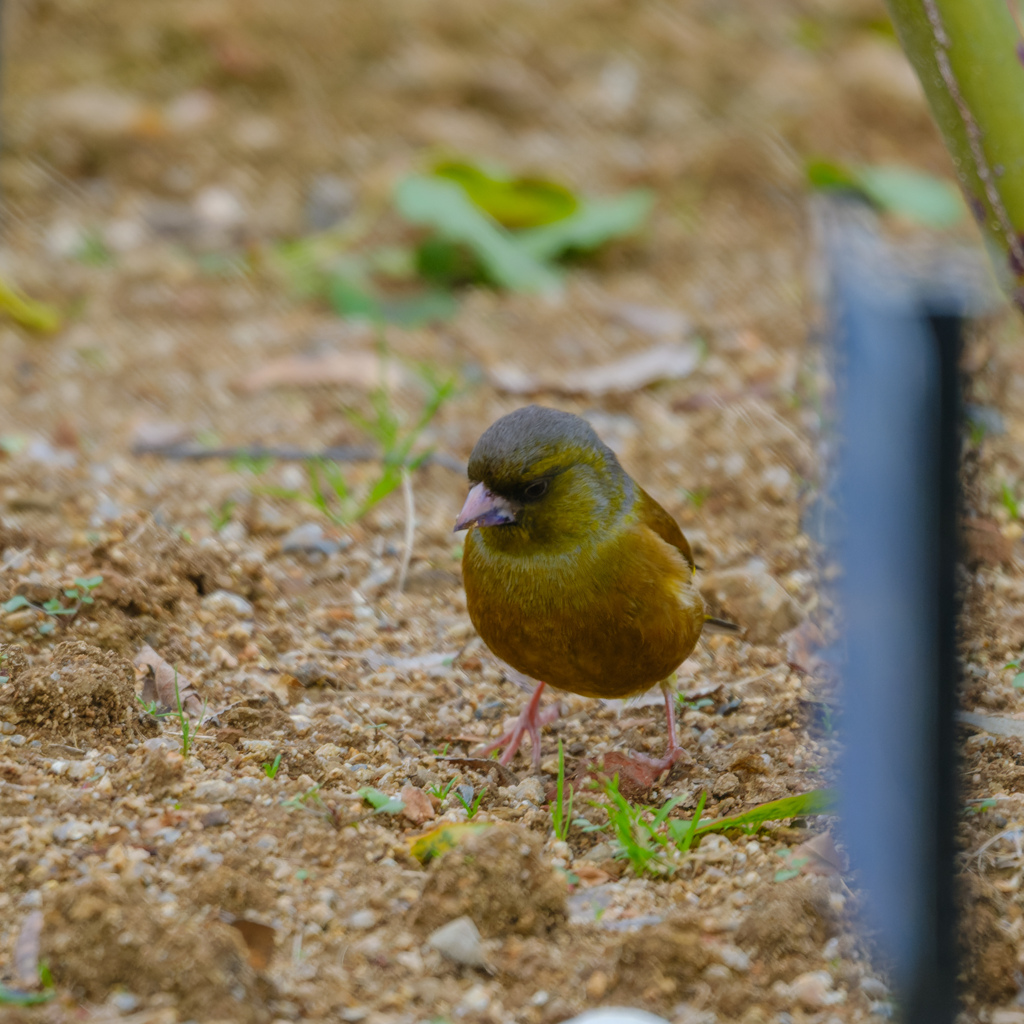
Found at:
[675, 752]
[529, 723]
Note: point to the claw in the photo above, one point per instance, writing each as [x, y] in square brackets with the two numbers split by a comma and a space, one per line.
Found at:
[531, 720]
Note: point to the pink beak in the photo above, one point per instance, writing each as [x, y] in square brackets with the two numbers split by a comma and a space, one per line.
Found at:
[484, 508]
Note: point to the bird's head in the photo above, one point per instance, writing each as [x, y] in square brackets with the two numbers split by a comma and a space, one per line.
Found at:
[542, 476]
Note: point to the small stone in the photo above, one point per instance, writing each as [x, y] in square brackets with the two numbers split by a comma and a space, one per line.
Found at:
[459, 941]
[329, 201]
[418, 807]
[476, 1000]
[72, 831]
[159, 743]
[734, 957]
[226, 602]
[21, 619]
[124, 1002]
[362, 920]
[813, 990]
[328, 752]
[221, 657]
[777, 484]
[219, 209]
[1007, 1015]
[726, 784]
[597, 985]
[214, 791]
[530, 790]
[308, 538]
[79, 770]
[214, 818]
[875, 989]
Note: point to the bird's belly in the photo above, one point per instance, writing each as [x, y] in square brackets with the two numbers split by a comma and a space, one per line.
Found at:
[614, 640]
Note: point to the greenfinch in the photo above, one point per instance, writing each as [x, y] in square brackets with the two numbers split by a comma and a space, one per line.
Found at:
[574, 575]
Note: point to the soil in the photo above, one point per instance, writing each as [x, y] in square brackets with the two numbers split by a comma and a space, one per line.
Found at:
[156, 155]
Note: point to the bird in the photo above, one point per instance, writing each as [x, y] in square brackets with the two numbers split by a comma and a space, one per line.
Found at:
[574, 575]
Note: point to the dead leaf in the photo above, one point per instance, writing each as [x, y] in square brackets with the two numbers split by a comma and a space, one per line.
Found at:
[360, 369]
[635, 778]
[985, 543]
[485, 766]
[636, 371]
[443, 838]
[163, 683]
[418, 807]
[589, 874]
[821, 856]
[26, 951]
[259, 940]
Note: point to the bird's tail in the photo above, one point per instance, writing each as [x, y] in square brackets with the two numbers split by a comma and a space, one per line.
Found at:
[713, 625]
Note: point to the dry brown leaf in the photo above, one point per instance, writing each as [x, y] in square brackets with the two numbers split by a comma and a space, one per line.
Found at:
[360, 369]
[160, 679]
[25, 958]
[418, 807]
[985, 542]
[821, 854]
[636, 371]
[589, 874]
[259, 940]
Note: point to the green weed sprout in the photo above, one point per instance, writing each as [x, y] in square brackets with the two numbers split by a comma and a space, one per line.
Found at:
[270, 769]
[80, 593]
[561, 809]
[441, 791]
[188, 733]
[471, 807]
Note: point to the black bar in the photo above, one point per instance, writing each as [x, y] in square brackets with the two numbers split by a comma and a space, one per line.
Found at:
[898, 347]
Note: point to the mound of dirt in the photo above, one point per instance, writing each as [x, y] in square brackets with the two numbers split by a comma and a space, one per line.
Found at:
[82, 692]
[657, 964]
[989, 951]
[99, 936]
[789, 923]
[500, 880]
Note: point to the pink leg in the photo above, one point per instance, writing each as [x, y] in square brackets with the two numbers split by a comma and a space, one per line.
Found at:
[529, 723]
[674, 752]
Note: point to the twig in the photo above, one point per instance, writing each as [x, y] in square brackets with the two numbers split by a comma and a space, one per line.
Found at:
[410, 528]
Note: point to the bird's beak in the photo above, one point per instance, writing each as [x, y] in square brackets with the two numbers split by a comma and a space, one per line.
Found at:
[484, 508]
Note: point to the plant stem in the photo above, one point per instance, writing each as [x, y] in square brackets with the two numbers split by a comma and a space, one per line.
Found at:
[410, 528]
[969, 56]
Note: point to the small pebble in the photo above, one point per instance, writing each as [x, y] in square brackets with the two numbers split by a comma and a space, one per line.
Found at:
[215, 791]
[362, 920]
[813, 990]
[460, 941]
[224, 601]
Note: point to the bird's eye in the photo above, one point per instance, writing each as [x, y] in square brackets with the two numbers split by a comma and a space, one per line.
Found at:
[537, 489]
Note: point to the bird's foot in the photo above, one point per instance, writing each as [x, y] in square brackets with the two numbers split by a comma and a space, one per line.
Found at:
[529, 723]
[673, 756]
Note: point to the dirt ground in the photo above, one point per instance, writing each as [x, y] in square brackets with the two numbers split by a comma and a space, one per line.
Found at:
[154, 155]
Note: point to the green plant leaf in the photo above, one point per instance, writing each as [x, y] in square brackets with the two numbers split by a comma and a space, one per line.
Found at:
[1018, 681]
[14, 603]
[36, 316]
[933, 202]
[595, 222]
[818, 801]
[17, 997]
[930, 201]
[445, 207]
[513, 202]
[381, 802]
